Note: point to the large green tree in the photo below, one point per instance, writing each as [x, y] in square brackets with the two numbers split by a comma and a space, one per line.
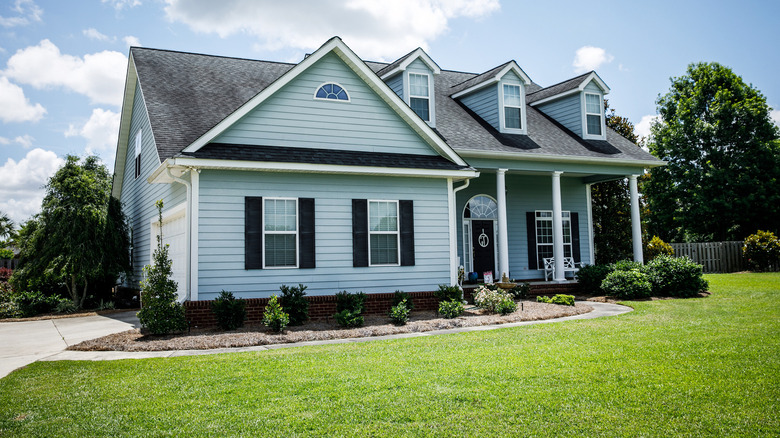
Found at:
[611, 204]
[723, 177]
[81, 235]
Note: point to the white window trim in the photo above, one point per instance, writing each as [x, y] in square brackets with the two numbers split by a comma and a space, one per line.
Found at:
[468, 254]
[540, 267]
[397, 232]
[501, 115]
[314, 96]
[431, 101]
[585, 113]
[297, 232]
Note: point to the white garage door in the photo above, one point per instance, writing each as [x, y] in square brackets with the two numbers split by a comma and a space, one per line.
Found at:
[175, 235]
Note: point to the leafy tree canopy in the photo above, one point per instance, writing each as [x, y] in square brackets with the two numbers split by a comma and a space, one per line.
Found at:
[723, 177]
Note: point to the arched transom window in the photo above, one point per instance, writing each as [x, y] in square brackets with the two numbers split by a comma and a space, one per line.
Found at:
[332, 91]
[480, 207]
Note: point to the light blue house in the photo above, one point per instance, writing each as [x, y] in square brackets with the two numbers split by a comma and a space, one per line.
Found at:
[350, 175]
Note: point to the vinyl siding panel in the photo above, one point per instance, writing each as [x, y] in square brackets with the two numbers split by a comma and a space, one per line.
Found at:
[592, 88]
[221, 233]
[485, 104]
[526, 193]
[566, 111]
[396, 83]
[138, 196]
[292, 117]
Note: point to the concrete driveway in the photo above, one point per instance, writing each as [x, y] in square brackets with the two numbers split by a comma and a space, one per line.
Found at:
[25, 342]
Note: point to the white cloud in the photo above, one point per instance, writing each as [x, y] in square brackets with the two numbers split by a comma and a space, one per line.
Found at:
[589, 58]
[94, 34]
[100, 131]
[99, 76]
[15, 106]
[4, 140]
[374, 29]
[23, 183]
[775, 115]
[121, 4]
[27, 11]
[25, 140]
[132, 41]
[643, 127]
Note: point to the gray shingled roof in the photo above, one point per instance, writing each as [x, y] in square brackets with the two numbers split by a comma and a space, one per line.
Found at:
[558, 88]
[478, 79]
[188, 94]
[394, 64]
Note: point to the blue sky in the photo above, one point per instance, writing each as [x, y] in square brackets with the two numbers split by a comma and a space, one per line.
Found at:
[63, 64]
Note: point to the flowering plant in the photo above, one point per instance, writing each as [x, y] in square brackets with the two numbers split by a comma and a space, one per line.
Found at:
[494, 301]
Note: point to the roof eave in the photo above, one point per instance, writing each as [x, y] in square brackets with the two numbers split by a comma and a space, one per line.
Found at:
[128, 101]
[561, 158]
[495, 79]
[418, 53]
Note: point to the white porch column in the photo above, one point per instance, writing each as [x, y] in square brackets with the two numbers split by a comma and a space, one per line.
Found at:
[194, 209]
[636, 225]
[558, 275]
[503, 237]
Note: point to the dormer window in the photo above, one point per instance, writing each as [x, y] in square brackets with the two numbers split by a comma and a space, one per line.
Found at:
[512, 107]
[332, 91]
[593, 113]
[419, 95]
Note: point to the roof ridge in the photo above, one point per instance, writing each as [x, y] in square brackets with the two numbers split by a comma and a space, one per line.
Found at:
[561, 82]
[484, 72]
[210, 56]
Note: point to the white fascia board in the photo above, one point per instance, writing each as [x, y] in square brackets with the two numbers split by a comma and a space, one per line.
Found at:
[124, 128]
[512, 66]
[594, 77]
[560, 158]
[419, 53]
[160, 176]
[360, 68]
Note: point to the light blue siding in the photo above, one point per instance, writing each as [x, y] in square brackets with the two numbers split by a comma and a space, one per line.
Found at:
[138, 196]
[485, 104]
[221, 233]
[396, 83]
[567, 111]
[526, 193]
[292, 117]
[592, 88]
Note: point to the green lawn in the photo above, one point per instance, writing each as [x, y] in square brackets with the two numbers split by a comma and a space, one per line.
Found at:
[671, 368]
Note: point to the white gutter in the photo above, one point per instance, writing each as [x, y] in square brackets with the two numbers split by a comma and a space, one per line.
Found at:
[188, 187]
[451, 200]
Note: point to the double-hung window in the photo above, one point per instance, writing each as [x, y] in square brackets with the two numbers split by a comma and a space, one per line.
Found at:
[593, 113]
[419, 95]
[384, 238]
[513, 105]
[280, 232]
[544, 236]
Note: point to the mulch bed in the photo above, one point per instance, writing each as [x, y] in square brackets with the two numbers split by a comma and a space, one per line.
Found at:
[321, 329]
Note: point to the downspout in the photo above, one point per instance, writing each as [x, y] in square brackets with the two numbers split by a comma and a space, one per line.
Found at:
[188, 187]
[453, 229]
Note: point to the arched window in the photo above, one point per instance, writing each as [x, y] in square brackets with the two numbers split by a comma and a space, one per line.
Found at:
[480, 207]
[332, 91]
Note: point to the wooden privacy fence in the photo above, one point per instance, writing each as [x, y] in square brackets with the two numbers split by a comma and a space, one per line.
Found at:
[713, 256]
[9, 263]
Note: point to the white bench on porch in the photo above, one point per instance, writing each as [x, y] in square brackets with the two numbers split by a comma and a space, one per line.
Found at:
[549, 266]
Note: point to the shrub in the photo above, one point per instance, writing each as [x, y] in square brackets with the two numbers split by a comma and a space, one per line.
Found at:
[274, 317]
[543, 299]
[450, 309]
[5, 274]
[675, 277]
[627, 265]
[347, 318]
[631, 283]
[9, 309]
[589, 277]
[656, 247]
[520, 291]
[160, 312]
[349, 308]
[494, 301]
[399, 296]
[65, 306]
[229, 311]
[33, 303]
[106, 305]
[449, 293]
[294, 302]
[561, 299]
[399, 313]
[762, 250]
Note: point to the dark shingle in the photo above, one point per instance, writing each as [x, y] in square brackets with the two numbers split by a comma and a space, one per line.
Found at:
[478, 79]
[558, 88]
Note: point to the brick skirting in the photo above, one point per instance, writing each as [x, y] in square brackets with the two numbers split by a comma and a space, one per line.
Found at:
[199, 312]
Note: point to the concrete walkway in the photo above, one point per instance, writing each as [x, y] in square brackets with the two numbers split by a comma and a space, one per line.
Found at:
[599, 310]
[24, 342]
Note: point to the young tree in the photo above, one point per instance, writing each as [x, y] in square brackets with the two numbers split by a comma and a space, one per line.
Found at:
[723, 177]
[81, 234]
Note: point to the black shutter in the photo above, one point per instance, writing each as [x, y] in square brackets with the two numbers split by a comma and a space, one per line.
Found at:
[406, 213]
[530, 220]
[359, 233]
[253, 233]
[306, 258]
[575, 237]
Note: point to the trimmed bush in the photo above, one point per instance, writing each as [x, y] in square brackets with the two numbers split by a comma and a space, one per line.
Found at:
[399, 296]
[676, 277]
[399, 313]
[229, 311]
[449, 293]
[450, 309]
[494, 301]
[520, 291]
[65, 306]
[505, 307]
[293, 301]
[274, 317]
[347, 318]
[560, 299]
[656, 247]
[349, 308]
[589, 277]
[762, 250]
[31, 303]
[627, 284]
[627, 265]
